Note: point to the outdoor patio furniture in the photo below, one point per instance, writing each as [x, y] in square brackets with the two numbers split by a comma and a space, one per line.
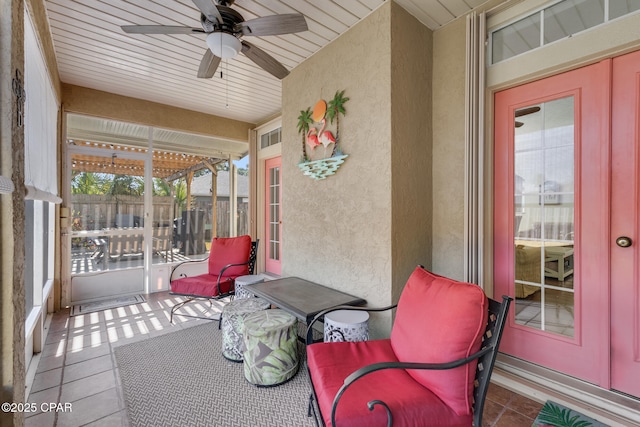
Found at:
[125, 245]
[270, 347]
[162, 240]
[346, 325]
[228, 259]
[433, 370]
[246, 280]
[233, 315]
[302, 298]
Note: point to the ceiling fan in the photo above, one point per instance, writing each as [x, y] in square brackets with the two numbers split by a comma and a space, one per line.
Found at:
[224, 28]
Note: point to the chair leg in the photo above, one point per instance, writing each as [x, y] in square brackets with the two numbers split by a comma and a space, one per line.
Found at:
[177, 307]
[312, 411]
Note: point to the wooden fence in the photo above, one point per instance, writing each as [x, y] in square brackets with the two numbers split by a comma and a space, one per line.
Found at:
[97, 212]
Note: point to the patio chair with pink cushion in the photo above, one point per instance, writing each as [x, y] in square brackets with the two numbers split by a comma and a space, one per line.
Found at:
[214, 277]
[434, 370]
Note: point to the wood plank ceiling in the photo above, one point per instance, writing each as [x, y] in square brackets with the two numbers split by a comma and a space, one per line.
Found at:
[92, 51]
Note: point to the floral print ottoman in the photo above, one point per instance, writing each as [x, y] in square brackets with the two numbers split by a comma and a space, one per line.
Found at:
[270, 347]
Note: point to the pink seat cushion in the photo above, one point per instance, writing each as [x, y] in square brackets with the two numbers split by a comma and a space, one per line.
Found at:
[441, 320]
[202, 285]
[410, 403]
[229, 250]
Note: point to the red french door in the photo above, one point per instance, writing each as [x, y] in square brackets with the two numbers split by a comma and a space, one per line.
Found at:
[567, 221]
[273, 215]
[625, 223]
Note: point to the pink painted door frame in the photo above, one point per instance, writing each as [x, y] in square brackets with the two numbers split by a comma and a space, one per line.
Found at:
[605, 346]
[573, 353]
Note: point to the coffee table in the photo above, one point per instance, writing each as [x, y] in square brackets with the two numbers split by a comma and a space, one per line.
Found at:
[302, 298]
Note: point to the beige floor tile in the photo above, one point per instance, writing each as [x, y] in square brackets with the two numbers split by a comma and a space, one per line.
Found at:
[41, 420]
[87, 368]
[49, 395]
[47, 379]
[91, 409]
[49, 363]
[79, 389]
[86, 353]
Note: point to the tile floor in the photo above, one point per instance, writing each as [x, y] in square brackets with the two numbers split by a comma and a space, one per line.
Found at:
[78, 366]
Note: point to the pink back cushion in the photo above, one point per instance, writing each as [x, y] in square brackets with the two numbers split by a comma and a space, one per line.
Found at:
[440, 320]
[229, 250]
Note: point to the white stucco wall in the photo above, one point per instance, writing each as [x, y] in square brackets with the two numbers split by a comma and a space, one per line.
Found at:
[411, 144]
[341, 231]
[449, 44]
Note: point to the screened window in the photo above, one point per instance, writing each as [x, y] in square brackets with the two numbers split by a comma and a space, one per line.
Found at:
[560, 20]
[270, 138]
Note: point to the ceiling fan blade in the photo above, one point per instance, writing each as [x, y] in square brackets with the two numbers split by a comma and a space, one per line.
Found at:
[524, 111]
[209, 9]
[208, 65]
[159, 29]
[273, 25]
[264, 60]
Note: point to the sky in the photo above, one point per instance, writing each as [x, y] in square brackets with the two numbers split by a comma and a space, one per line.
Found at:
[243, 163]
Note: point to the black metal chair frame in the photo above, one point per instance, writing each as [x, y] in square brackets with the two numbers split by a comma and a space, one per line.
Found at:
[486, 357]
[251, 266]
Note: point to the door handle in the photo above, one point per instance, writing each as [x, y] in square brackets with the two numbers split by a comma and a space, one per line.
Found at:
[623, 241]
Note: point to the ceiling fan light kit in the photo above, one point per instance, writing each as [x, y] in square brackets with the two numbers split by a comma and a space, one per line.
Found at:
[224, 45]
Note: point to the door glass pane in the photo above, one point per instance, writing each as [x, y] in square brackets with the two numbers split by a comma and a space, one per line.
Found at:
[570, 17]
[544, 216]
[163, 222]
[274, 213]
[618, 8]
[515, 39]
[30, 255]
[107, 206]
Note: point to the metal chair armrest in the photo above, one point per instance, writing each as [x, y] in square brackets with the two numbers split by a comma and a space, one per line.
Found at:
[222, 272]
[309, 339]
[173, 275]
[356, 375]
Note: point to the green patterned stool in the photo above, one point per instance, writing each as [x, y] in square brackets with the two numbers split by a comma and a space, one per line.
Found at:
[270, 347]
[233, 318]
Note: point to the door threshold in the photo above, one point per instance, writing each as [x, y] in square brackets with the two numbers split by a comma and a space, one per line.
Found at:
[542, 384]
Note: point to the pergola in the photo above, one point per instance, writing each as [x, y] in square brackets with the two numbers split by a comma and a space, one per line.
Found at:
[172, 154]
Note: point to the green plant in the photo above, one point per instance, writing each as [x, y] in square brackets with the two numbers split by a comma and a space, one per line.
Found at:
[554, 415]
[334, 109]
[304, 121]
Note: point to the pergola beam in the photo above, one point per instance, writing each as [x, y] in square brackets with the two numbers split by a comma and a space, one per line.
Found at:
[210, 163]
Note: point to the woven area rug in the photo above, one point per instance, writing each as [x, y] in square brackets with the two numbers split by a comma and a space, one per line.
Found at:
[182, 379]
[555, 415]
[90, 307]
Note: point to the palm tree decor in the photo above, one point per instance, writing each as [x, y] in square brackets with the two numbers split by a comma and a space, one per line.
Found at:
[304, 121]
[335, 108]
[311, 136]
